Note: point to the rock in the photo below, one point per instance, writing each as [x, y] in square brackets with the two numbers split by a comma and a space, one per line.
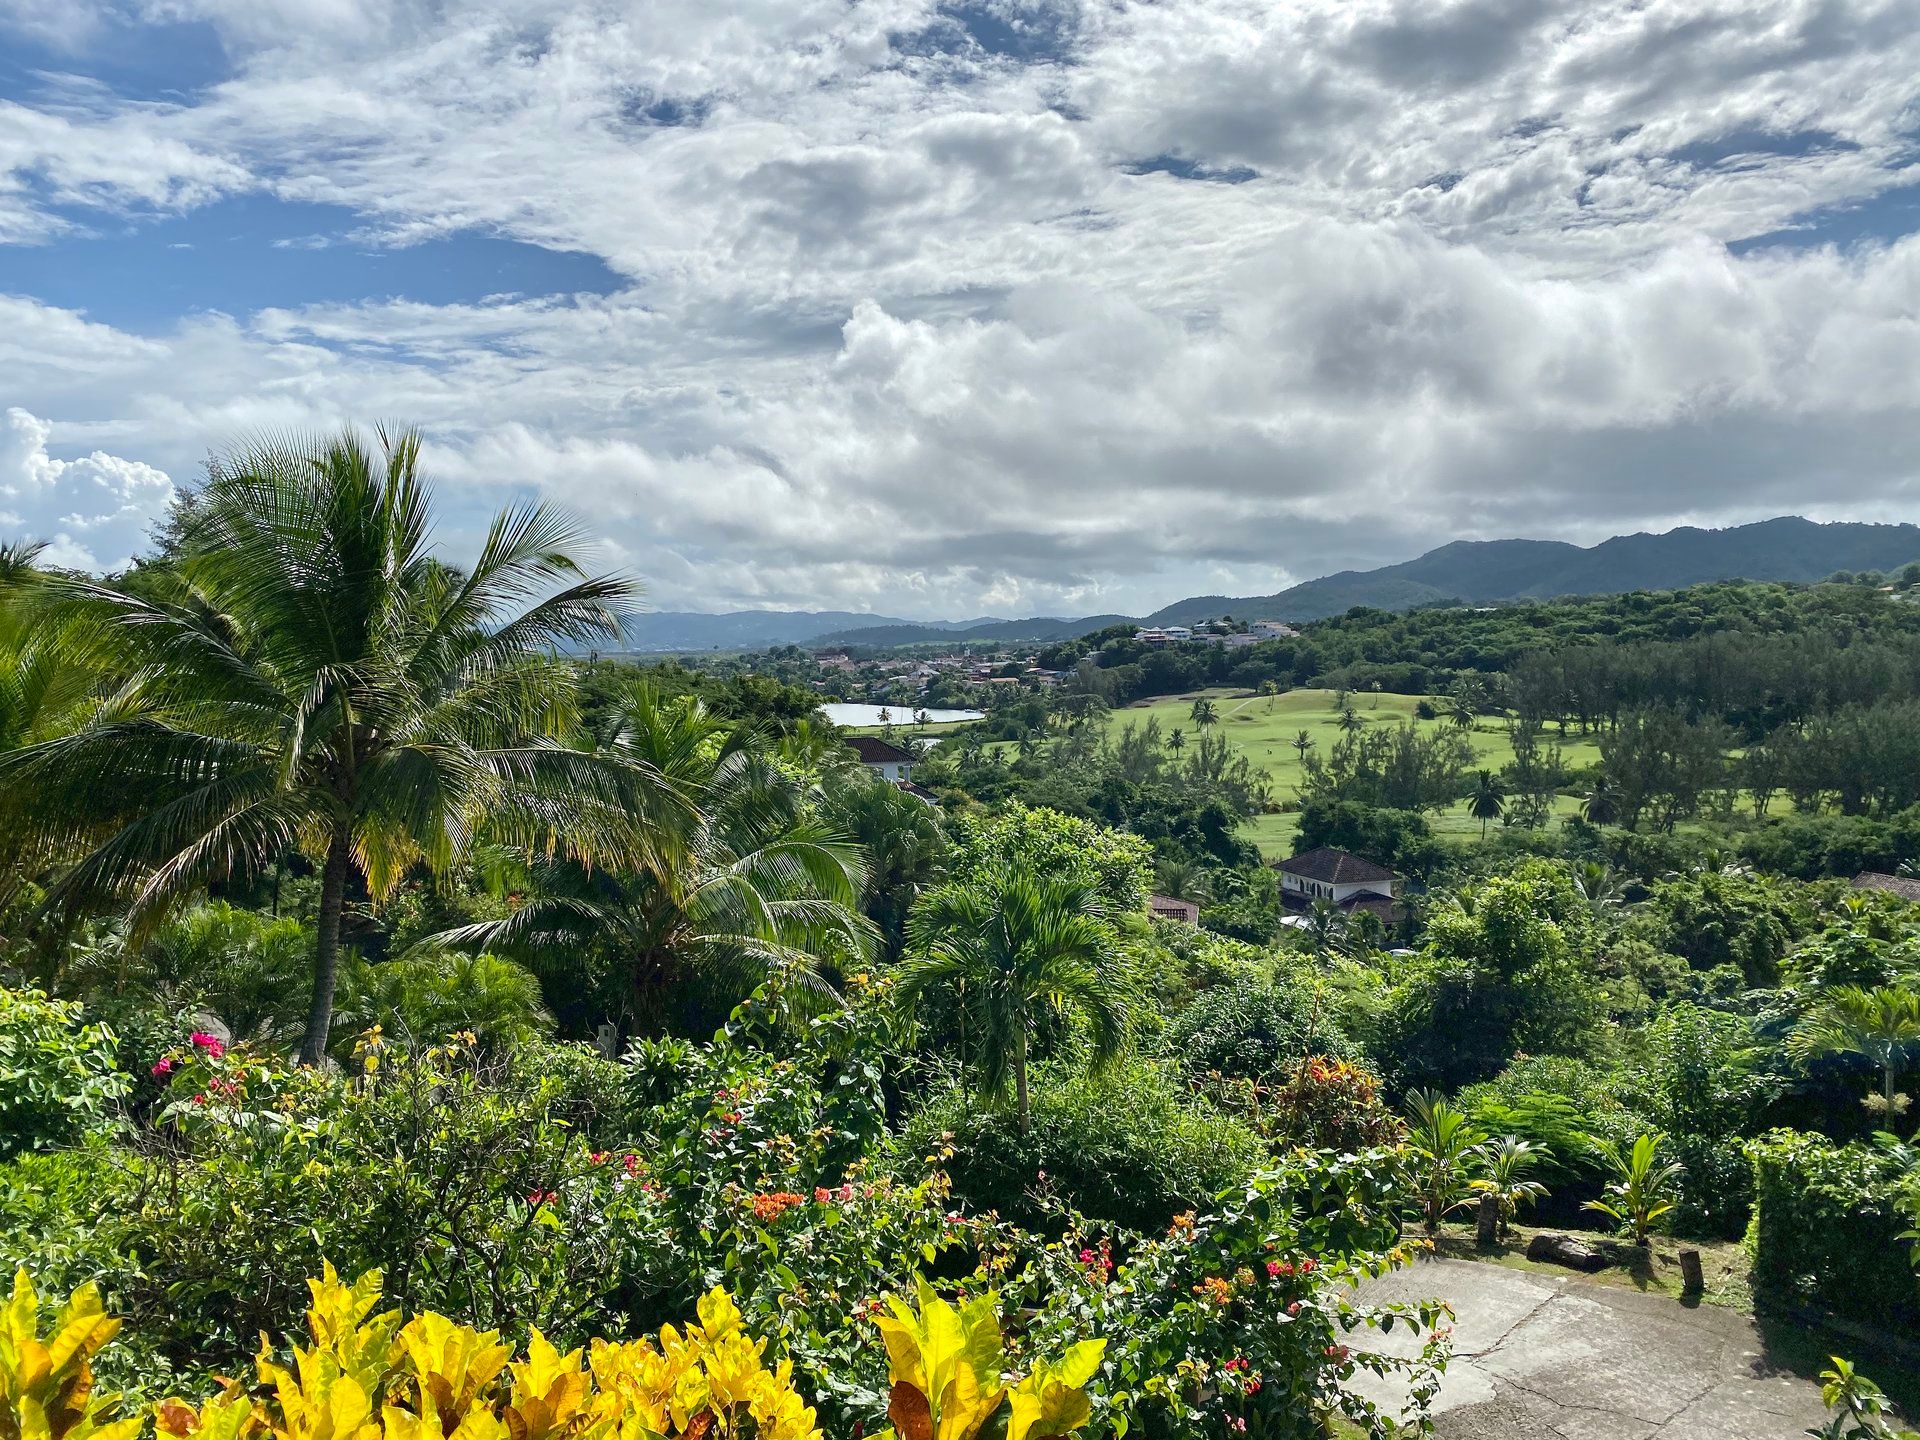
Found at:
[1568, 1250]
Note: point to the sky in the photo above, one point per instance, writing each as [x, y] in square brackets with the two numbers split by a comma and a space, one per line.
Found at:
[978, 307]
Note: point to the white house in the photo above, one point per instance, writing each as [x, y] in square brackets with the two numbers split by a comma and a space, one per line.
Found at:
[1337, 876]
[883, 757]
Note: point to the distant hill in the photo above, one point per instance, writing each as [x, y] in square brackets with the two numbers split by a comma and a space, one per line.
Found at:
[1039, 627]
[1470, 572]
[1482, 572]
[669, 630]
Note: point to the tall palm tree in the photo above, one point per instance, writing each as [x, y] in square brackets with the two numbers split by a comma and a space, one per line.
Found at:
[744, 889]
[1302, 743]
[1488, 801]
[1008, 952]
[1349, 720]
[1882, 1024]
[309, 677]
[1204, 713]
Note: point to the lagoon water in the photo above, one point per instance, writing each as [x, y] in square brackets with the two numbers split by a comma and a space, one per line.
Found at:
[901, 715]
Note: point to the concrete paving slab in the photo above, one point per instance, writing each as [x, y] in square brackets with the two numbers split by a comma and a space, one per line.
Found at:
[1561, 1356]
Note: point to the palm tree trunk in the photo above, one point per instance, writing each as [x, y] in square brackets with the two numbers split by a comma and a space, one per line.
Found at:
[326, 959]
[1020, 1080]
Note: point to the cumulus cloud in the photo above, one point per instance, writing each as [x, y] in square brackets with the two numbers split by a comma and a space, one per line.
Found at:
[1039, 304]
[93, 513]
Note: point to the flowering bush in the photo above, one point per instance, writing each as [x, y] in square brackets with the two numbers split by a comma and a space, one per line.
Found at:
[1244, 1318]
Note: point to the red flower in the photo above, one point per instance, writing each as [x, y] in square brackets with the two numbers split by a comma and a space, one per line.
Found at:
[1294, 1308]
[214, 1046]
[1273, 1269]
[822, 1195]
[162, 1069]
[1336, 1352]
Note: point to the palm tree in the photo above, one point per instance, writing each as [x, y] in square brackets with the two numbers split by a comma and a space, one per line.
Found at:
[1302, 743]
[1487, 802]
[1445, 1150]
[1176, 739]
[1882, 1024]
[745, 890]
[904, 846]
[1508, 1160]
[1644, 1186]
[1008, 951]
[1204, 713]
[1349, 720]
[1599, 885]
[310, 677]
[1602, 805]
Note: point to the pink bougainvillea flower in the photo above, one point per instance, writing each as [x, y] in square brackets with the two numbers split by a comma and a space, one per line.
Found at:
[162, 1069]
[212, 1045]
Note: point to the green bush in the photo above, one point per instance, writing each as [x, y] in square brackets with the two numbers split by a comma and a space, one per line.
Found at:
[59, 1077]
[1255, 1031]
[1129, 1147]
[1826, 1227]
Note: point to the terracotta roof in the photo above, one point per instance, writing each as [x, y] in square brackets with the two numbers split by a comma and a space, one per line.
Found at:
[1335, 867]
[1901, 885]
[872, 750]
[1171, 907]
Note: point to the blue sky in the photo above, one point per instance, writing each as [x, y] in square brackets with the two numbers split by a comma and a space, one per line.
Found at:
[1001, 307]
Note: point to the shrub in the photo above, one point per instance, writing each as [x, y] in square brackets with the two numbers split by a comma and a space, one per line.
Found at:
[1254, 1030]
[1130, 1147]
[1826, 1227]
[58, 1076]
[1242, 1321]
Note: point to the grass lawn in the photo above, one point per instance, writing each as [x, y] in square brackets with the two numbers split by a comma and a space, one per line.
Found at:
[1262, 727]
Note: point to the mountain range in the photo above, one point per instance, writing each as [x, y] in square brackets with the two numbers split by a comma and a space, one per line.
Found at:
[1471, 572]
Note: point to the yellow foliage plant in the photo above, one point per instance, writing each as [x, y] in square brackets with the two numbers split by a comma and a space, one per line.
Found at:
[949, 1374]
[369, 1376]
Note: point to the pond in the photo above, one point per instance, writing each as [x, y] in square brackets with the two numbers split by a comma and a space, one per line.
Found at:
[901, 715]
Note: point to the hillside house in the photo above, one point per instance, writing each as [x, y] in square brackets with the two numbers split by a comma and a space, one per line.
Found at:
[1340, 877]
[883, 757]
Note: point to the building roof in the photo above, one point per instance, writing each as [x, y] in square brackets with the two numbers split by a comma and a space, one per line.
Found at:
[872, 750]
[1335, 867]
[1901, 885]
[1171, 907]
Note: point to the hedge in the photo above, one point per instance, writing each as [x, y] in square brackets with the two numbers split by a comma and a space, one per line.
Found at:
[1826, 1227]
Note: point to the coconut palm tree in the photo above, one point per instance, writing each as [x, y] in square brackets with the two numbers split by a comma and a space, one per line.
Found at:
[1008, 952]
[1602, 804]
[1204, 712]
[1644, 1186]
[1508, 1159]
[746, 889]
[1488, 801]
[1883, 1024]
[1445, 1150]
[1176, 739]
[1599, 885]
[309, 676]
[1302, 743]
[1349, 720]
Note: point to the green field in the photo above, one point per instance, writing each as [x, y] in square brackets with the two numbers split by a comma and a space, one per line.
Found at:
[1262, 728]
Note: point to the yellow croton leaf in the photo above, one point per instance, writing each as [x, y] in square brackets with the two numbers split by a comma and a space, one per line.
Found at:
[1053, 1399]
[951, 1357]
[46, 1386]
[233, 1414]
[341, 1320]
[450, 1365]
[550, 1395]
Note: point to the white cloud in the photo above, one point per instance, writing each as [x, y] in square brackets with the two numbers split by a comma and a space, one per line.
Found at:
[932, 317]
[94, 513]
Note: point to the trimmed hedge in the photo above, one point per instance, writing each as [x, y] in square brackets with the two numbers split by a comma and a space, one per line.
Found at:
[1826, 1227]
